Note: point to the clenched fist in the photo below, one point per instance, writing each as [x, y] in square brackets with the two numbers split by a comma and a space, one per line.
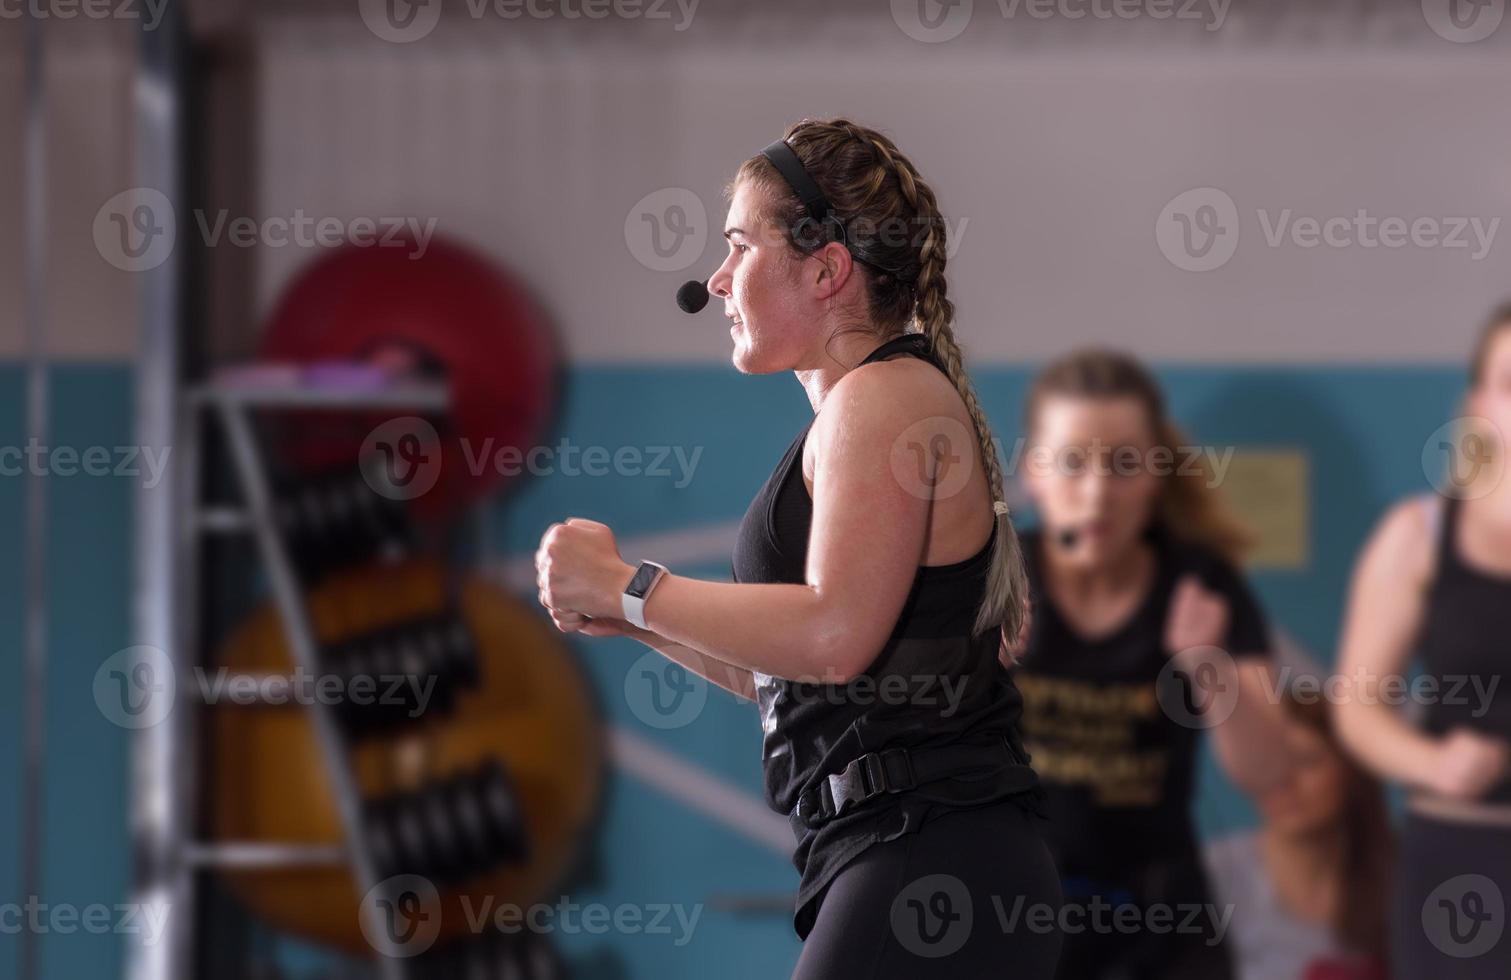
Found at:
[1198, 617]
[579, 573]
[1469, 764]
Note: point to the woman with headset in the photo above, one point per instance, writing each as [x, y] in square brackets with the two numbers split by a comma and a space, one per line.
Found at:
[1144, 634]
[876, 574]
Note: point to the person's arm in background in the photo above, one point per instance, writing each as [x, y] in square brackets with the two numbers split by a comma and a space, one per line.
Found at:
[1249, 741]
[1386, 606]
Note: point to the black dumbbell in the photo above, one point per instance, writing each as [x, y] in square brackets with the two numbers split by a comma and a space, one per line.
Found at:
[336, 520]
[433, 654]
[461, 828]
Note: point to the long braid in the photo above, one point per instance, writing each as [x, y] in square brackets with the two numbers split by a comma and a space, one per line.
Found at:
[1005, 604]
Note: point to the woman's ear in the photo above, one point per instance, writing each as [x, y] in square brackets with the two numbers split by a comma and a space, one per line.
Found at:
[835, 266]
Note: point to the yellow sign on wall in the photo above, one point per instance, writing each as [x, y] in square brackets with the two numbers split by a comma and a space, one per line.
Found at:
[1268, 490]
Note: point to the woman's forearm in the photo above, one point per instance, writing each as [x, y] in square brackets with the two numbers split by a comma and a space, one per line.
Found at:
[777, 629]
[1383, 741]
[736, 680]
[1250, 743]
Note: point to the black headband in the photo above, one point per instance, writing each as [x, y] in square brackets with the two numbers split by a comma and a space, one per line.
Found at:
[785, 160]
[820, 212]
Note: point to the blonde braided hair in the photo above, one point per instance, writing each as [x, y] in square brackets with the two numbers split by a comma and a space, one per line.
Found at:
[873, 188]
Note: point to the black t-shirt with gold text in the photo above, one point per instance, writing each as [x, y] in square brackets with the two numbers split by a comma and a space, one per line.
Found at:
[1114, 750]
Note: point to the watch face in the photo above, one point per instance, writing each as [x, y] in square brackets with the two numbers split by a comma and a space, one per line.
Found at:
[644, 576]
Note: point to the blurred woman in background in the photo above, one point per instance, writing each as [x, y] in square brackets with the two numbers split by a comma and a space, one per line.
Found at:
[1435, 579]
[1310, 888]
[1142, 635]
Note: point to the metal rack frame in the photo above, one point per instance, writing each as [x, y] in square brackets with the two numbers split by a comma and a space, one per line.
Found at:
[165, 762]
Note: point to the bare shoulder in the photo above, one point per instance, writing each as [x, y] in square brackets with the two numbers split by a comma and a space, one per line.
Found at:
[1403, 541]
[883, 399]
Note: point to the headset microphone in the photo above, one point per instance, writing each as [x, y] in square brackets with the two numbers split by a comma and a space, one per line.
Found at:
[1068, 537]
[693, 296]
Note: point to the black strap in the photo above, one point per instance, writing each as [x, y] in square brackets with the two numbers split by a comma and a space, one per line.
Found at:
[898, 770]
[786, 161]
[911, 343]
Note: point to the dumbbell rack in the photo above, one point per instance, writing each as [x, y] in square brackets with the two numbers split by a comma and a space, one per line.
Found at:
[165, 764]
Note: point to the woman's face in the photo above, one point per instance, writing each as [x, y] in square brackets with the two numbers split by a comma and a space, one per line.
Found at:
[1311, 799]
[759, 283]
[1087, 468]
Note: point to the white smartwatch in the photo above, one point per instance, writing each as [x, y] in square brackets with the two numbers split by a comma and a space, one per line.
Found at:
[647, 576]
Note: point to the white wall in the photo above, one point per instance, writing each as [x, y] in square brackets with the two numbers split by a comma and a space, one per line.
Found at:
[1053, 160]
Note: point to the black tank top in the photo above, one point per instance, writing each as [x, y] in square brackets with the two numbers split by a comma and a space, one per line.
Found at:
[1463, 643]
[932, 683]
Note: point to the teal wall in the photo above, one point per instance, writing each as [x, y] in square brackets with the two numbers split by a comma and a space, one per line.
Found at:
[1361, 428]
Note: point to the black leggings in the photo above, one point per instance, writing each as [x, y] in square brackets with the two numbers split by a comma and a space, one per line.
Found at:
[1453, 890]
[973, 893]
